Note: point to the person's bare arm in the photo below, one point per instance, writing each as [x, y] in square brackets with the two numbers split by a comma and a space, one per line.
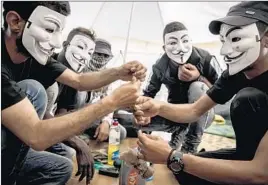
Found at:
[90, 80]
[186, 113]
[205, 81]
[229, 171]
[61, 111]
[94, 80]
[23, 121]
[48, 115]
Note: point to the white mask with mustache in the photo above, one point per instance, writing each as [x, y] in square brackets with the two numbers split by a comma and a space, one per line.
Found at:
[178, 46]
[241, 46]
[42, 33]
[79, 52]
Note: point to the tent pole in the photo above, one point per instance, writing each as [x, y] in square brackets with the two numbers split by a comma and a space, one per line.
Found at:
[128, 32]
[95, 19]
[161, 16]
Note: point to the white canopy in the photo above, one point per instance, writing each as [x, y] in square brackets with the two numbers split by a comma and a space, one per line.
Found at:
[135, 28]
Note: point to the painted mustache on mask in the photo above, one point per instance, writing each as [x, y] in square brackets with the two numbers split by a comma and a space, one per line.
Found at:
[180, 52]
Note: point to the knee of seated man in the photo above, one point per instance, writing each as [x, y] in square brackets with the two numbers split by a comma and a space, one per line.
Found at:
[36, 93]
[247, 96]
[52, 92]
[123, 133]
[196, 90]
[63, 169]
[34, 87]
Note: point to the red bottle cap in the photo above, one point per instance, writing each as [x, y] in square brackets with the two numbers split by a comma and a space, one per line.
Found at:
[115, 123]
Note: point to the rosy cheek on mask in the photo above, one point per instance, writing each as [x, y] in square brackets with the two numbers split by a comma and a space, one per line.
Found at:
[169, 48]
[81, 53]
[244, 45]
[40, 34]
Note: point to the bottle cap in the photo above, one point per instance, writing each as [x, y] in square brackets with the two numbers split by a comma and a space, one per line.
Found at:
[115, 122]
[117, 163]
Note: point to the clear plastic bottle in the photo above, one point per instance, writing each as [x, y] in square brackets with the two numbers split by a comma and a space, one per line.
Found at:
[114, 143]
[130, 176]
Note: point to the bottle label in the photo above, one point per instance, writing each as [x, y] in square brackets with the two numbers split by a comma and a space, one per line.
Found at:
[115, 155]
[132, 177]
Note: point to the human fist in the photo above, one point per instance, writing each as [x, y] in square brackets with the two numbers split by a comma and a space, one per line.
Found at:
[127, 94]
[130, 69]
[188, 73]
[145, 108]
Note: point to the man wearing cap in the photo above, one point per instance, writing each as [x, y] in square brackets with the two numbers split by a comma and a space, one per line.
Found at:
[101, 128]
[244, 36]
[63, 99]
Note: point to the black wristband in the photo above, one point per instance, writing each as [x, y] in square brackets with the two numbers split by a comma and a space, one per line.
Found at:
[168, 159]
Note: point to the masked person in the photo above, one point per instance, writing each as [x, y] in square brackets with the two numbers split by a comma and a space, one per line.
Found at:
[100, 58]
[187, 72]
[76, 53]
[244, 36]
[71, 99]
[32, 30]
[79, 42]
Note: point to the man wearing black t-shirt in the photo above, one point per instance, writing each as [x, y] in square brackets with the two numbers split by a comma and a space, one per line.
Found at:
[187, 72]
[76, 47]
[70, 99]
[32, 30]
[244, 36]
[76, 53]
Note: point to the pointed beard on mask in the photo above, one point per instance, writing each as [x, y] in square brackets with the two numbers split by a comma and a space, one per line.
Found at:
[97, 62]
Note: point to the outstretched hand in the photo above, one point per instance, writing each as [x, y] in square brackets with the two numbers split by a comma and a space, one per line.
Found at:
[153, 148]
[130, 69]
[145, 108]
[127, 94]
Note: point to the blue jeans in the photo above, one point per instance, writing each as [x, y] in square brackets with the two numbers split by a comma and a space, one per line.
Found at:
[23, 165]
[189, 136]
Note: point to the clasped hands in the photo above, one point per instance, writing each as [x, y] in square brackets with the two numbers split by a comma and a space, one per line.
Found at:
[128, 96]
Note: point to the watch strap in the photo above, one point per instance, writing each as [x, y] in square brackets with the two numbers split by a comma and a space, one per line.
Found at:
[173, 158]
[168, 159]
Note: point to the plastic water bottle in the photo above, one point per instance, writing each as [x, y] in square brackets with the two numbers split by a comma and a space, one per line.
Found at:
[114, 143]
[129, 176]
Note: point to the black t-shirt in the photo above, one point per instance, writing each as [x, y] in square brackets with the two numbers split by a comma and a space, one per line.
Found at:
[227, 86]
[12, 73]
[68, 96]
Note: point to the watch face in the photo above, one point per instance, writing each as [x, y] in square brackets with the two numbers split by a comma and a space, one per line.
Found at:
[175, 166]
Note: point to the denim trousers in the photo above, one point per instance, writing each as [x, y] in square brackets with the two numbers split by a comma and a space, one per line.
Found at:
[189, 136]
[23, 165]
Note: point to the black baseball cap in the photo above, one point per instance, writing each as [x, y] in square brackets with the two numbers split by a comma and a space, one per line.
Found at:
[242, 14]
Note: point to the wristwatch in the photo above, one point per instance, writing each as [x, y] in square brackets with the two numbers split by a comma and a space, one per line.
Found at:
[175, 163]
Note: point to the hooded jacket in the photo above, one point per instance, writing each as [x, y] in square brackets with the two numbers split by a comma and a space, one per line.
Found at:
[177, 89]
